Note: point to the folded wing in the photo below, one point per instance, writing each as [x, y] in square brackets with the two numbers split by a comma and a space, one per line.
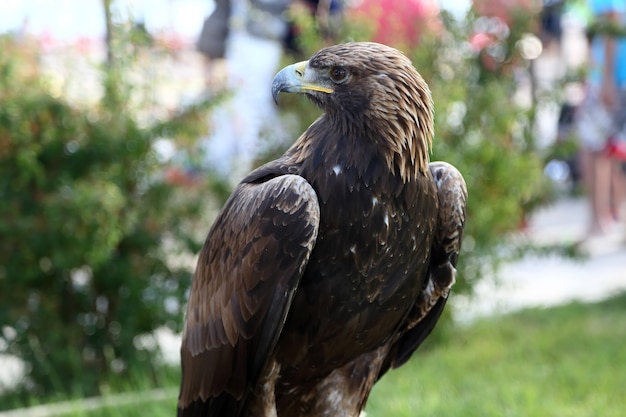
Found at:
[243, 286]
[452, 197]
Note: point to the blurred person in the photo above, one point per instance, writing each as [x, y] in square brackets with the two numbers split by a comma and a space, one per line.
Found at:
[212, 43]
[602, 117]
[249, 37]
[242, 50]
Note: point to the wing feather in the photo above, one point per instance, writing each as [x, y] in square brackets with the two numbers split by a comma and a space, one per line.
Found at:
[452, 196]
[452, 199]
[247, 273]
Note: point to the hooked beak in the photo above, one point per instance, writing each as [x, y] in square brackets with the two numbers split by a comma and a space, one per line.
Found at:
[298, 78]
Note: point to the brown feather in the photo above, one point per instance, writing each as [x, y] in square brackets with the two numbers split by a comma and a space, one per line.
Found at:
[238, 287]
[332, 263]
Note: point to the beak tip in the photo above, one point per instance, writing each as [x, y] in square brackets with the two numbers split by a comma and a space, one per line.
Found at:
[279, 84]
[288, 80]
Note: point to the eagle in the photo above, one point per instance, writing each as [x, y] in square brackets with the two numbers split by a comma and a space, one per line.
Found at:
[330, 265]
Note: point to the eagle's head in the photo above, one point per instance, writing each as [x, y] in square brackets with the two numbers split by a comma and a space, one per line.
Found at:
[373, 91]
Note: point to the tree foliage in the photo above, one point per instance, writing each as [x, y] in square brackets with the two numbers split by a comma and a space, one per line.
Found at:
[90, 231]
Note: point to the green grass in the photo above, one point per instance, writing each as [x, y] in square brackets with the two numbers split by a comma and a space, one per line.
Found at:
[568, 361]
[155, 403]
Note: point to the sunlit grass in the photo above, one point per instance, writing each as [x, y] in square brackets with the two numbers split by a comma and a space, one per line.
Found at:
[565, 361]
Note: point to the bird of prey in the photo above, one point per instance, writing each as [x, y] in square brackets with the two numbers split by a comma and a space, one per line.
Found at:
[331, 264]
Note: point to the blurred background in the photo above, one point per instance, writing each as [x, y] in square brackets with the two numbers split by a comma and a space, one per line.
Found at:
[125, 124]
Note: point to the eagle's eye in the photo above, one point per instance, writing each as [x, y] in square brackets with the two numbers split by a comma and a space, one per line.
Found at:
[338, 74]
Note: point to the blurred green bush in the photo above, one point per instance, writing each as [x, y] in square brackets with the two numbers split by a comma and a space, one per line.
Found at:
[91, 235]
